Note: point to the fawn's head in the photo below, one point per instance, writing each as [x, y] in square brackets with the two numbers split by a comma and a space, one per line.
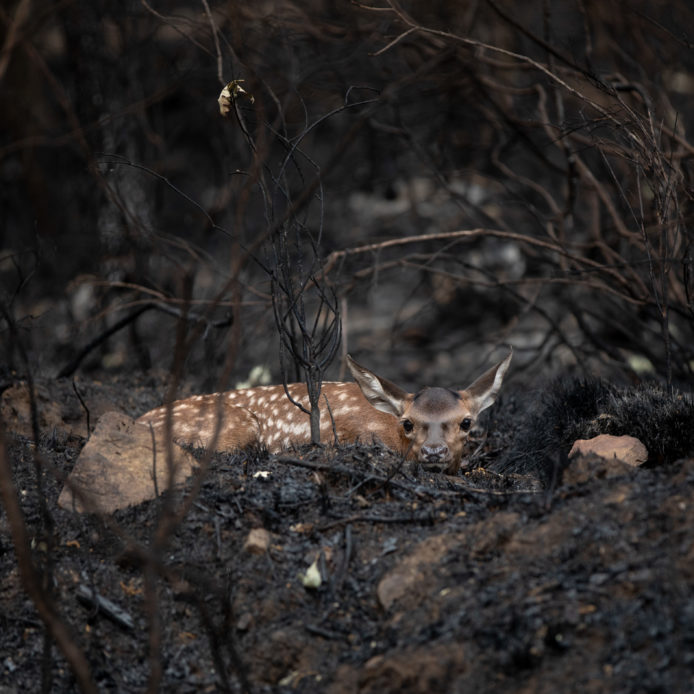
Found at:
[435, 422]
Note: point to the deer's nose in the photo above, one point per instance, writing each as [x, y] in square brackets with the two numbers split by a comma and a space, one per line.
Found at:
[434, 454]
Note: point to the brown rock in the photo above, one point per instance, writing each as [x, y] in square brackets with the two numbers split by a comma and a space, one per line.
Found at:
[258, 541]
[116, 467]
[625, 448]
[603, 457]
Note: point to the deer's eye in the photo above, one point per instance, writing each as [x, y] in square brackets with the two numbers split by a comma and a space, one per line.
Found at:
[466, 424]
[407, 425]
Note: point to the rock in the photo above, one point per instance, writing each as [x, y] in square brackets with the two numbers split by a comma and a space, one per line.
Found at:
[625, 448]
[257, 542]
[604, 456]
[116, 467]
[245, 621]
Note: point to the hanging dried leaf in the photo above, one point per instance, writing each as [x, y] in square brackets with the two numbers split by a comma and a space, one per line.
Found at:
[230, 93]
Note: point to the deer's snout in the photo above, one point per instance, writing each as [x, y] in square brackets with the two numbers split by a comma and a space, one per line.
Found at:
[435, 454]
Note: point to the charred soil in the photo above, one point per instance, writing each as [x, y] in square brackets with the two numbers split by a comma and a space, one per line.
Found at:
[345, 570]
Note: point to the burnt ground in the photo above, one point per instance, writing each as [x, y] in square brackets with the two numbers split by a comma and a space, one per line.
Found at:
[427, 583]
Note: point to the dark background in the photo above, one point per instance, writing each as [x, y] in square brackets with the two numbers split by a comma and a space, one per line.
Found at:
[563, 126]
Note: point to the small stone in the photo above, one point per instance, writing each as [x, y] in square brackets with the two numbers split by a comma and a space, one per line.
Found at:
[257, 542]
[244, 622]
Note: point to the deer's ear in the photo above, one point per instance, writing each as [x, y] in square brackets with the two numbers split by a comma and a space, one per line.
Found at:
[482, 393]
[381, 393]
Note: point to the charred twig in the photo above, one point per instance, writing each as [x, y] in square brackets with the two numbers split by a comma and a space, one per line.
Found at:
[84, 405]
[365, 477]
[340, 573]
[325, 633]
[103, 605]
[215, 646]
[418, 518]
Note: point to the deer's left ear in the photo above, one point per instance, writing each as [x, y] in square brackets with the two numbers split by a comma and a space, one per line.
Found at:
[381, 393]
[482, 393]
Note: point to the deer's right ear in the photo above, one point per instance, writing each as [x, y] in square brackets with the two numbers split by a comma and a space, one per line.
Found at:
[381, 393]
[482, 393]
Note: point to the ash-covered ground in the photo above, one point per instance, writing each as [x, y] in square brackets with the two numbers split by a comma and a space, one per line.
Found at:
[349, 571]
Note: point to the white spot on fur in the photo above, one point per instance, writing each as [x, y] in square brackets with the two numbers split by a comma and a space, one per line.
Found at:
[296, 429]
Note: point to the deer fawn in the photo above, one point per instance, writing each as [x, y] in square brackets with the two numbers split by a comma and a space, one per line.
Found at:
[430, 426]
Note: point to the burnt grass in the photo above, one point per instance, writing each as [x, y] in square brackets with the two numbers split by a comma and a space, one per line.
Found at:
[483, 582]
